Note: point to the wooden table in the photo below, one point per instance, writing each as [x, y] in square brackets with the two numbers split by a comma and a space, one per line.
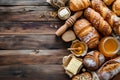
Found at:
[29, 47]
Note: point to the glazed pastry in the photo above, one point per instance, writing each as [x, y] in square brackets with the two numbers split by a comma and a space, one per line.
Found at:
[93, 60]
[109, 69]
[116, 7]
[108, 2]
[77, 5]
[98, 22]
[86, 33]
[83, 76]
[107, 14]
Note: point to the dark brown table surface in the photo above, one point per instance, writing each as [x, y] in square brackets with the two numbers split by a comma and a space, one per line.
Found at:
[29, 47]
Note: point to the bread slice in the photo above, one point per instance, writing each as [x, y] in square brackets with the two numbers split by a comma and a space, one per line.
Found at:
[68, 36]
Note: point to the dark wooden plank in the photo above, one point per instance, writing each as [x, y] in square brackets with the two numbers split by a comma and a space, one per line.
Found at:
[29, 27]
[23, 2]
[35, 72]
[31, 41]
[10, 57]
[23, 9]
[30, 16]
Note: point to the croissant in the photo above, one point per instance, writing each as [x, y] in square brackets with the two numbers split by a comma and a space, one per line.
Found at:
[116, 7]
[109, 69]
[98, 22]
[86, 33]
[93, 60]
[107, 14]
[77, 5]
[108, 2]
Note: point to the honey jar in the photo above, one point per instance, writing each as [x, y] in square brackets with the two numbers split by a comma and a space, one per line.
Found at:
[109, 46]
[78, 48]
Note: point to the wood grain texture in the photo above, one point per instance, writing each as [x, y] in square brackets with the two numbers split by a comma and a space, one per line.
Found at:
[28, 13]
[29, 27]
[33, 72]
[31, 41]
[49, 57]
[23, 2]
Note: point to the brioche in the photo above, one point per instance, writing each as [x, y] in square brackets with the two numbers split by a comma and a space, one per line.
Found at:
[97, 21]
[107, 14]
[86, 33]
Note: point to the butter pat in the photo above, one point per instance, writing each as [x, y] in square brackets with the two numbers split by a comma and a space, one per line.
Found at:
[74, 66]
[64, 13]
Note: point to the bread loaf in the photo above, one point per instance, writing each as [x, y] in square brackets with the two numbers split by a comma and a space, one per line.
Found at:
[86, 33]
[93, 60]
[97, 21]
[107, 14]
[109, 69]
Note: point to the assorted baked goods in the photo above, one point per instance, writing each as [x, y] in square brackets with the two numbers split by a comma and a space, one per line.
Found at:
[86, 33]
[107, 14]
[94, 45]
[93, 60]
[97, 21]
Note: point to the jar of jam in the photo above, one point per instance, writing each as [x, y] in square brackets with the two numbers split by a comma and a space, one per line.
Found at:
[109, 46]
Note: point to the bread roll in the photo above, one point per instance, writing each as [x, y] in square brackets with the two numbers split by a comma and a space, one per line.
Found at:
[98, 22]
[93, 60]
[86, 33]
[116, 7]
[77, 5]
[107, 14]
[109, 69]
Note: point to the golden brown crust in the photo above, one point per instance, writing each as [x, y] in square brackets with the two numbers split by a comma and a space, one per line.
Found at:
[77, 5]
[109, 69]
[86, 33]
[116, 7]
[107, 14]
[98, 22]
[93, 60]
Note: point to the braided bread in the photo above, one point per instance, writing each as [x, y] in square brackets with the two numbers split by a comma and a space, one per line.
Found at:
[98, 22]
[107, 14]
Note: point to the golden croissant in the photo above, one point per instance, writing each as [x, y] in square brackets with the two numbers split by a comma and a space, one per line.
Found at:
[86, 33]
